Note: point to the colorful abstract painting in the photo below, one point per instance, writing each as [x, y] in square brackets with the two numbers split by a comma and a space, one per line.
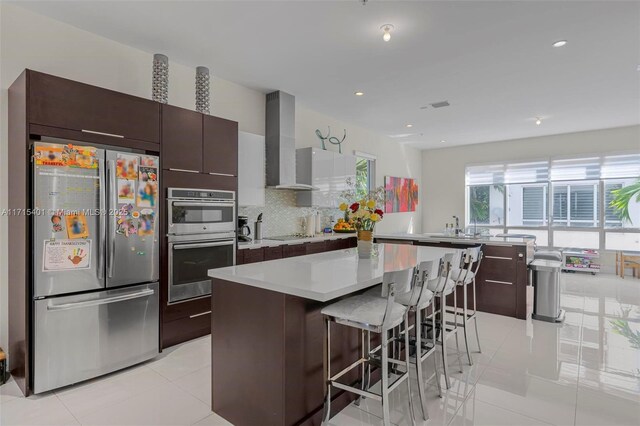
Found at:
[401, 194]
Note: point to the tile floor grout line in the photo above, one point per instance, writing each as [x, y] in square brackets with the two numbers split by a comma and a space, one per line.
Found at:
[67, 408]
[516, 412]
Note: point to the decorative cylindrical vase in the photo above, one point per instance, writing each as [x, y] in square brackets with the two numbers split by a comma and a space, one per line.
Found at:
[202, 90]
[160, 81]
[365, 244]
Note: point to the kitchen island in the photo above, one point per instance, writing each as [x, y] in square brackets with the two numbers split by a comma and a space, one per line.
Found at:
[502, 283]
[268, 334]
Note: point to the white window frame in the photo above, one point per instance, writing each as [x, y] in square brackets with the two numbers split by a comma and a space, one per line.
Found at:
[599, 206]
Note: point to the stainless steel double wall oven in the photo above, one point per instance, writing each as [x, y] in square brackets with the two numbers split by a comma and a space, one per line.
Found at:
[202, 236]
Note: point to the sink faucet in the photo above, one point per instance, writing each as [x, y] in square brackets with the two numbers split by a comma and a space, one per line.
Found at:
[457, 228]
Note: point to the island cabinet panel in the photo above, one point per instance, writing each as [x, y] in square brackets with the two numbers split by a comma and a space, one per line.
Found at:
[67, 104]
[287, 334]
[220, 146]
[273, 253]
[181, 139]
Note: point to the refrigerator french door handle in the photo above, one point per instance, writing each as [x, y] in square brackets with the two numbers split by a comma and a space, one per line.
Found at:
[102, 225]
[113, 205]
[97, 302]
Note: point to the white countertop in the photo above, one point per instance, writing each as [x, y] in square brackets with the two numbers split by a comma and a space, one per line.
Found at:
[266, 242]
[326, 276]
[435, 237]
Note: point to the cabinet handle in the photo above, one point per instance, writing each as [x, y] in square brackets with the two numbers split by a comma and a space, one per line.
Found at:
[221, 174]
[499, 257]
[183, 170]
[499, 282]
[93, 132]
[200, 314]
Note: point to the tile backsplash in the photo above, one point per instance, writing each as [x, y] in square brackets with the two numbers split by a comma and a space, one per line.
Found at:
[281, 215]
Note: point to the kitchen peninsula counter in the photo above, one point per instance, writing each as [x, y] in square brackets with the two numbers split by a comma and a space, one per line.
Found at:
[268, 332]
[267, 242]
[502, 282]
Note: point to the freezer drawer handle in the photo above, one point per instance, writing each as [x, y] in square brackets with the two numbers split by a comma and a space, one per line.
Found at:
[183, 170]
[199, 315]
[97, 302]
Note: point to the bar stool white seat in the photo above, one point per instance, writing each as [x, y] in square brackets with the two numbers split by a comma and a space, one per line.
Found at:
[371, 314]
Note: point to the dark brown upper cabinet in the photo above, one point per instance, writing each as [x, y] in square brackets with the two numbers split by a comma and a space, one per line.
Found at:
[181, 139]
[67, 104]
[220, 146]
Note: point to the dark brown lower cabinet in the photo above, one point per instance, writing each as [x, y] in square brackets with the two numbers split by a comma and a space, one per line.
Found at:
[319, 247]
[273, 253]
[253, 255]
[294, 250]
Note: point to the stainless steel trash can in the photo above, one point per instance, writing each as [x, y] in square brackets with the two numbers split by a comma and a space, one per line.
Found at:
[545, 277]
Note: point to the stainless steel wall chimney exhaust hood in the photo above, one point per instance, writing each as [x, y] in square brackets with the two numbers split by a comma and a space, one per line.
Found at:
[281, 143]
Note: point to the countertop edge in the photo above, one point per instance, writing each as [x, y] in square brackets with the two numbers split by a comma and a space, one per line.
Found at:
[266, 242]
[463, 241]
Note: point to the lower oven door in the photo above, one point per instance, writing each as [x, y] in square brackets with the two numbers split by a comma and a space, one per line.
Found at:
[189, 264]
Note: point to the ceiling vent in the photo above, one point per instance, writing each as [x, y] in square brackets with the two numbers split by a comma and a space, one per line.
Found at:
[440, 104]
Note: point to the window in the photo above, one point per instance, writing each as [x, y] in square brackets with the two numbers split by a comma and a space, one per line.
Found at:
[527, 205]
[565, 202]
[485, 205]
[365, 174]
[575, 204]
[622, 192]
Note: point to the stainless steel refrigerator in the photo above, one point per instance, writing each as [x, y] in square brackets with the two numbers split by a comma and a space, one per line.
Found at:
[95, 262]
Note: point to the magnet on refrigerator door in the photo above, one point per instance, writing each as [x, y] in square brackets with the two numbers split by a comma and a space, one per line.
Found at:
[77, 226]
[126, 190]
[126, 166]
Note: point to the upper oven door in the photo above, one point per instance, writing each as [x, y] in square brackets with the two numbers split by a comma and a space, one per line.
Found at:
[195, 217]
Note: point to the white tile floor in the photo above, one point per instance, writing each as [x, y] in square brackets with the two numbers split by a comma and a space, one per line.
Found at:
[584, 372]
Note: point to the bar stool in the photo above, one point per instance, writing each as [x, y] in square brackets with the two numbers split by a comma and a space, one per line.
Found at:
[442, 286]
[465, 275]
[418, 302]
[433, 283]
[371, 314]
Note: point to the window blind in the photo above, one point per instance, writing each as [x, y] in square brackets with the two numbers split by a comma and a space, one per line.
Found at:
[620, 166]
[484, 175]
[533, 172]
[575, 169]
[533, 205]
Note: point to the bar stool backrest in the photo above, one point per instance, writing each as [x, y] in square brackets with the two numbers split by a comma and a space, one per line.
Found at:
[425, 270]
[444, 272]
[395, 282]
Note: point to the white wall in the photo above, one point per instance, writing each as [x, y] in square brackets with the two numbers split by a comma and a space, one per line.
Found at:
[443, 169]
[29, 40]
[393, 159]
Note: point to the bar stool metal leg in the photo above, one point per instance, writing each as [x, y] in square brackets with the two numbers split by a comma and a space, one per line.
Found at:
[384, 352]
[465, 323]
[443, 337]
[455, 326]
[435, 343]
[327, 366]
[475, 315]
[364, 353]
[421, 390]
[407, 364]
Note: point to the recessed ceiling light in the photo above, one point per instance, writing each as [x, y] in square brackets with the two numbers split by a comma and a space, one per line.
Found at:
[538, 121]
[409, 125]
[359, 93]
[560, 43]
[386, 30]
[443, 141]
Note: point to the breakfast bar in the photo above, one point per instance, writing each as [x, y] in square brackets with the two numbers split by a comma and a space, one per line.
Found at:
[267, 331]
